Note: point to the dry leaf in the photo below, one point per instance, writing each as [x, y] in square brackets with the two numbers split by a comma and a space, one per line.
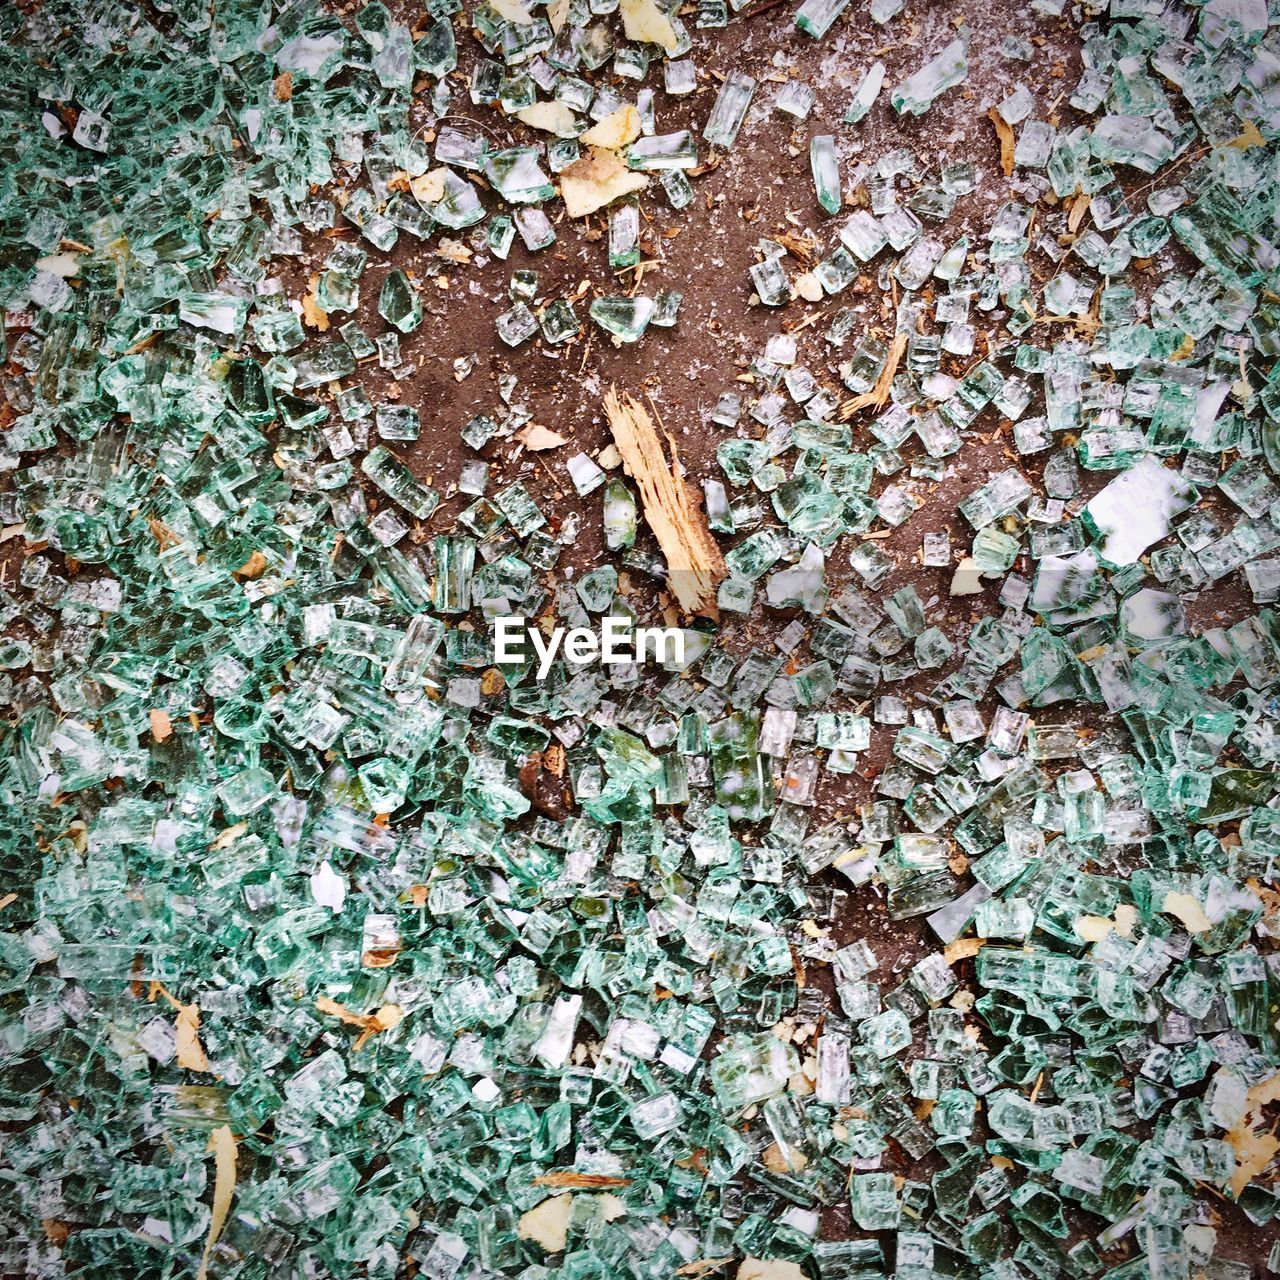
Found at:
[453, 251]
[384, 958]
[161, 725]
[55, 1231]
[642, 20]
[314, 316]
[1254, 1152]
[283, 85]
[1079, 207]
[326, 1005]
[777, 1161]
[222, 1142]
[1265, 1091]
[1005, 134]
[616, 130]
[963, 949]
[1092, 928]
[428, 188]
[549, 116]
[670, 508]
[596, 180]
[229, 835]
[191, 1054]
[536, 438]
[547, 1223]
[512, 11]
[769, 1269]
[163, 534]
[1185, 908]
[1248, 137]
[1035, 1089]
[388, 1017]
[809, 287]
[254, 567]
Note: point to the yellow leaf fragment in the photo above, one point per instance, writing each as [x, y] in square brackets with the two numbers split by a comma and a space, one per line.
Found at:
[550, 116]
[254, 567]
[1248, 137]
[963, 949]
[453, 251]
[778, 1160]
[1184, 907]
[512, 11]
[596, 180]
[809, 287]
[229, 835]
[314, 316]
[670, 508]
[388, 1017]
[1265, 1091]
[1005, 134]
[769, 1269]
[222, 1142]
[1254, 1152]
[191, 1054]
[428, 188]
[536, 438]
[611, 1207]
[66, 265]
[616, 130]
[547, 1224]
[1092, 928]
[1079, 207]
[642, 20]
